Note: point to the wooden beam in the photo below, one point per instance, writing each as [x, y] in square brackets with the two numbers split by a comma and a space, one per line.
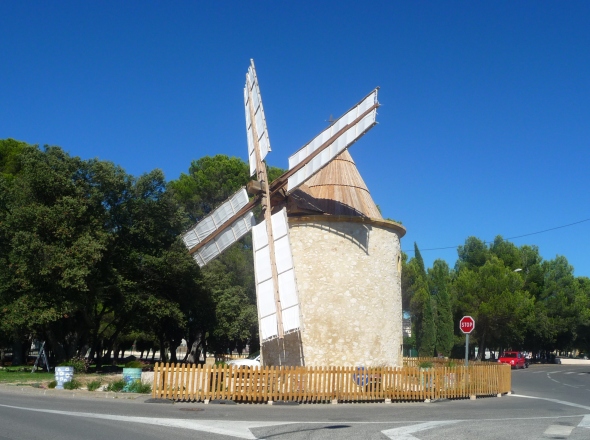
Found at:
[282, 180]
[251, 205]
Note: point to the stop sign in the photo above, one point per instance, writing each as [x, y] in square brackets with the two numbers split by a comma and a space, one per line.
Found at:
[467, 324]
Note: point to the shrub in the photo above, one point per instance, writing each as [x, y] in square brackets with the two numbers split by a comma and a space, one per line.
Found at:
[79, 363]
[52, 384]
[72, 385]
[94, 385]
[138, 387]
[425, 364]
[133, 364]
[116, 386]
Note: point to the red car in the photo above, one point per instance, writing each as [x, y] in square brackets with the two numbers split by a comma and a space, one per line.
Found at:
[514, 359]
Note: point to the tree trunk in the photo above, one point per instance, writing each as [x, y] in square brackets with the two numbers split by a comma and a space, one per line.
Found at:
[194, 354]
[17, 352]
[56, 347]
[482, 347]
[163, 357]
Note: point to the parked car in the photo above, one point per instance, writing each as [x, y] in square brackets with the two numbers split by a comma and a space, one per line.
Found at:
[514, 359]
[254, 362]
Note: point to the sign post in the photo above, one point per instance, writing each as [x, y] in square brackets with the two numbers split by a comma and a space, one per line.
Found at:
[467, 324]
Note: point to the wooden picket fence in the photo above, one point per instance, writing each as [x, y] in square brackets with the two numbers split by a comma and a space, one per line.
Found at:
[188, 382]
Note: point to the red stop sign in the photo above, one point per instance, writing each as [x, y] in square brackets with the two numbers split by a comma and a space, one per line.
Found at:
[467, 324]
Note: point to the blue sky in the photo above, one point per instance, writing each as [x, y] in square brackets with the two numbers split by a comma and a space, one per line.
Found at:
[484, 127]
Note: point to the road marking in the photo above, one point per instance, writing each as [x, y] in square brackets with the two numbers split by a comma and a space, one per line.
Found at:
[242, 429]
[558, 430]
[405, 432]
[234, 428]
[561, 402]
[569, 372]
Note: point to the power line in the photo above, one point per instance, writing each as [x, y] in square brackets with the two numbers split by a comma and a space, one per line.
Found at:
[508, 238]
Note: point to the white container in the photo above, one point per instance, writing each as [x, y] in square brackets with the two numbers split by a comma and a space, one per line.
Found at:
[63, 375]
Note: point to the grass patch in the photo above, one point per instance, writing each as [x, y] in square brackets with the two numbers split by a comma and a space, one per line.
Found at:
[116, 386]
[72, 385]
[138, 387]
[23, 375]
[94, 385]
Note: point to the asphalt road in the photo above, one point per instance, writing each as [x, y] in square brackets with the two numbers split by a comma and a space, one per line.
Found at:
[549, 402]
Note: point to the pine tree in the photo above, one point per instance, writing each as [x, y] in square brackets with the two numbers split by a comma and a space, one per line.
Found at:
[423, 308]
[428, 329]
[439, 280]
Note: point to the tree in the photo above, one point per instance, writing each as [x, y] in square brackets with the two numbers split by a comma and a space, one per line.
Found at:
[474, 253]
[229, 279]
[51, 226]
[209, 182]
[91, 253]
[421, 304]
[492, 295]
[439, 280]
[9, 157]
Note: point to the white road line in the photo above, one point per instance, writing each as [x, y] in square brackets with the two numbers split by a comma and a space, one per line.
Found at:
[405, 432]
[234, 428]
[561, 402]
[558, 430]
[569, 372]
[585, 423]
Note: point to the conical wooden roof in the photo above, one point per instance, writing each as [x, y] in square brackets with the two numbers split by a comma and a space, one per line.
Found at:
[339, 189]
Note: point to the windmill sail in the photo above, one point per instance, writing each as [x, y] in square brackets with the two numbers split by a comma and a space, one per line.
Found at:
[276, 287]
[259, 119]
[289, 303]
[215, 222]
[333, 140]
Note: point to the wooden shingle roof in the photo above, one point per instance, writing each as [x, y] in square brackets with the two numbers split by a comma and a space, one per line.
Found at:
[339, 189]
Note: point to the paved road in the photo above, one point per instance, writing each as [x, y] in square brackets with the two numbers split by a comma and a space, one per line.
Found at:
[549, 402]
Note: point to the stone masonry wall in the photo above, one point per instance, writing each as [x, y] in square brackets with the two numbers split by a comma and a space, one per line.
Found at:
[350, 291]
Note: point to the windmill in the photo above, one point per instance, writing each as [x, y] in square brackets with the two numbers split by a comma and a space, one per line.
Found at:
[276, 286]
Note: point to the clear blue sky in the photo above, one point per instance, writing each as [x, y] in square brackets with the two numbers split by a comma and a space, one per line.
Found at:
[484, 127]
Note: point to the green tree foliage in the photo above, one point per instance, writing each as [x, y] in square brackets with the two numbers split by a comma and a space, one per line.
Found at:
[474, 253]
[427, 332]
[209, 182]
[422, 309]
[492, 295]
[89, 252]
[9, 157]
[439, 280]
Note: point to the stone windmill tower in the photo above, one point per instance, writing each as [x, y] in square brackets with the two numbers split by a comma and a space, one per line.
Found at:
[327, 266]
[347, 263]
